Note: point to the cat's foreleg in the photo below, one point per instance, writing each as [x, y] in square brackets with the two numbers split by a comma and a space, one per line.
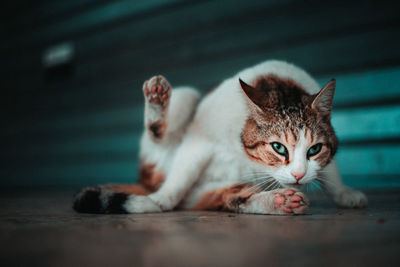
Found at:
[242, 198]
[278, 201]
[341, 194]
[190, 160]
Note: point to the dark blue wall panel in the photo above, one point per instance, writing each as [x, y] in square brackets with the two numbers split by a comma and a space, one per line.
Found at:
[81, 125]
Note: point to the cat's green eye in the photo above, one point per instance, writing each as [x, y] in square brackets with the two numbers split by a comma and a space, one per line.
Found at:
[279, 148]
[314, 150]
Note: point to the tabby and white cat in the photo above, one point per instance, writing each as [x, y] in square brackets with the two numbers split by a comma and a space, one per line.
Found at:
[248, 146]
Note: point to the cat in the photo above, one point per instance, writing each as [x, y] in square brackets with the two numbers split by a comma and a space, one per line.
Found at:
[248, 146]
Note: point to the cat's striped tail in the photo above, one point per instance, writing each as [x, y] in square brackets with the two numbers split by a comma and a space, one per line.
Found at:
[112, 198]
[99, 199]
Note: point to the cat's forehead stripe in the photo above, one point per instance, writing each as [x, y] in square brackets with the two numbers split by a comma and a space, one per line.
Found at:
[283, 93]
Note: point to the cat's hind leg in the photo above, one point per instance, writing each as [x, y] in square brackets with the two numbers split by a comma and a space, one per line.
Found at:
[241, 198]
[157, 93]
[167, 115]
[110, 198]
[167, 112]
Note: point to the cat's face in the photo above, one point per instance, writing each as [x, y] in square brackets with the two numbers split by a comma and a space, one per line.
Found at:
[289, 131]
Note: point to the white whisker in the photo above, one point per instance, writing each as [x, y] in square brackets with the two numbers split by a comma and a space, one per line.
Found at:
[256, 186]
[325, 182]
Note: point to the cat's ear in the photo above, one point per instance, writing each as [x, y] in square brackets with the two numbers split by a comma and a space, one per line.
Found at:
[256, 96]
[324, 99]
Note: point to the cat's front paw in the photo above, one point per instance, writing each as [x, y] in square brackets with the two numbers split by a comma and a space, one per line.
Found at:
[349, 198]
[287, 201]
[278, 201]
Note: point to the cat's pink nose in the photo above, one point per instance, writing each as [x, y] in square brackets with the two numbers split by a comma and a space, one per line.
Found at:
[298, 175]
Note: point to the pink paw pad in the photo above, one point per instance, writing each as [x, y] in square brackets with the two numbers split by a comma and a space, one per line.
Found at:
[294, 205]
[289, 192]
[296, 198]
[290, 201]
[279, 200]
[157, 90]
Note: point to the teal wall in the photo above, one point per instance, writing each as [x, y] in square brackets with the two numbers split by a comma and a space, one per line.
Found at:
[82, 127]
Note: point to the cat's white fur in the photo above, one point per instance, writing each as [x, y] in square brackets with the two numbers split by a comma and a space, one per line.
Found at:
[203, 152]
[299, 164]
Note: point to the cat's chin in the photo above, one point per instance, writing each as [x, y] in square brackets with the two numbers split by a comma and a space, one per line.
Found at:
[292, 185]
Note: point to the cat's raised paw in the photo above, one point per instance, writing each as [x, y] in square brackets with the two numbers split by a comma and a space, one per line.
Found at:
[157, 90]
[288, 201]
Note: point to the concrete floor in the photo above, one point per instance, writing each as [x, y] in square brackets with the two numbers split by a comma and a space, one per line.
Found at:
[39, 228]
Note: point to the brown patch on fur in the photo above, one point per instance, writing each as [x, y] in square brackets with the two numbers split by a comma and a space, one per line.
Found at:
[256, 149]
[286, 137]
[262, 156]
[294, 135]
[323, 157]
[225, 199]
[250, 133]
[150, 178]
[129, 189]
[252, 154]
[158, 129]
[150, 181]
[271, 91]
[271, 159]
[309, 136]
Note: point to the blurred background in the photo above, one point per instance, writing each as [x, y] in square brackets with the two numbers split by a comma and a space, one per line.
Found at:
[71, 76]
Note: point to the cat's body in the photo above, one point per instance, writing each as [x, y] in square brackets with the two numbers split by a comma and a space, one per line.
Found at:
[218, 154]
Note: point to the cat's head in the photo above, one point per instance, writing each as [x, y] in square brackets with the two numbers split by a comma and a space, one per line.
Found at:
[288, 130]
